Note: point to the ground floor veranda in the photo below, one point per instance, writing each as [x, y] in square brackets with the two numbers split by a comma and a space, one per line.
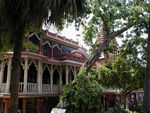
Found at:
[36, 76]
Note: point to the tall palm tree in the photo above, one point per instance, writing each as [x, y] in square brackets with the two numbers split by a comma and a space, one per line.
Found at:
[18, 15]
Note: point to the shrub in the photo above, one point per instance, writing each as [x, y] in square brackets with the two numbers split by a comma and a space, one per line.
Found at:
[83, 93]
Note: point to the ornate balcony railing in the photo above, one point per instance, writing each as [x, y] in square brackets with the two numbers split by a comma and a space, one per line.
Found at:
[32, 87]
[3, 87]
[46, 88]
[56, 88]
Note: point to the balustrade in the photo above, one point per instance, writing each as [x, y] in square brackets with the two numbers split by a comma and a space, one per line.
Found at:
[46, 88]
[3, 87]
[32, 87]
[56, 89]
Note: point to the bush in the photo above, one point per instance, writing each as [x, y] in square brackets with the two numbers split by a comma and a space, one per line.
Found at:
[119, 109]
[136, 106]
[83, 94]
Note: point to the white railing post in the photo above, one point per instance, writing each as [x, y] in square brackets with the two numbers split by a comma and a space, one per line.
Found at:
[25, 75]
[8, 75]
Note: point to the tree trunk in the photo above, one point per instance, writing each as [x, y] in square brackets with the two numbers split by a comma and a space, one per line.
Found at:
[146, 103]
[107, 38]
[18, 35]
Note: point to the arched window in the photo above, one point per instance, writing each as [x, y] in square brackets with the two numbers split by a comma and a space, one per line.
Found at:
[56, 77]
[5, 74]
[21, 74]
[32, 74]
[46, 76]
[63, 77]
[70, 76]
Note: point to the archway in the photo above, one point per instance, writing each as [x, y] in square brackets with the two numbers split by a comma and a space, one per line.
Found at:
[56, 77]
[70, 76]
[63, 77]
[21, 74]
[32, 74]
[5, 73]
[46, 76]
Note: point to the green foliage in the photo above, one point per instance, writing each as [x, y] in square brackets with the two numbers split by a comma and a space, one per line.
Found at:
[30, 46]
[119, 109]
[136, 107]
[84, 93]
[121, 74]
[112, 15]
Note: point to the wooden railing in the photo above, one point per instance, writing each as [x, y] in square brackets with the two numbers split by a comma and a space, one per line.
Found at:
[32, 87]
[74, 58]
[3, 87]
[56, 88]
[46, 88]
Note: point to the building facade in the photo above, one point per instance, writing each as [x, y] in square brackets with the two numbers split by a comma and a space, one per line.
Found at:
[43, 72]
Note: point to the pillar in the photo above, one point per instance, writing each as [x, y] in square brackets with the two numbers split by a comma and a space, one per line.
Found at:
[51, 73]
[8, 75]
[1, 73]
[6, 106]
[38, 106]
[25, 75]
[39, 77]
[60, 79]
[74, 72]
[67, 72]
[24, 106]
[52, 51]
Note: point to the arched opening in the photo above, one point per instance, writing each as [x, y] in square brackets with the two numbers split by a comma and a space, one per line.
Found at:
[35, 40]
[46, 76]
[63, 78]
[70, 76]
[56, 51]
[21, 74]
[32, 74]
[56, 77]
[5, 74]
[47, 50]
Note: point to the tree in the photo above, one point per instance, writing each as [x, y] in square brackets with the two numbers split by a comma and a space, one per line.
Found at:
[18, 16]
[113, 17]
[84, 94]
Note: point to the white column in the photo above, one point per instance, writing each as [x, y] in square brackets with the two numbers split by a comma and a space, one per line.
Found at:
[51, 73]
[8, 75]
[67, 72]
[74, 72]
[25, 75]
[60, 79]
[1, 73]
[39, 78]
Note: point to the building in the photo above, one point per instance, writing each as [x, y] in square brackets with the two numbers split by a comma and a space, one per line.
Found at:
[43, 72]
